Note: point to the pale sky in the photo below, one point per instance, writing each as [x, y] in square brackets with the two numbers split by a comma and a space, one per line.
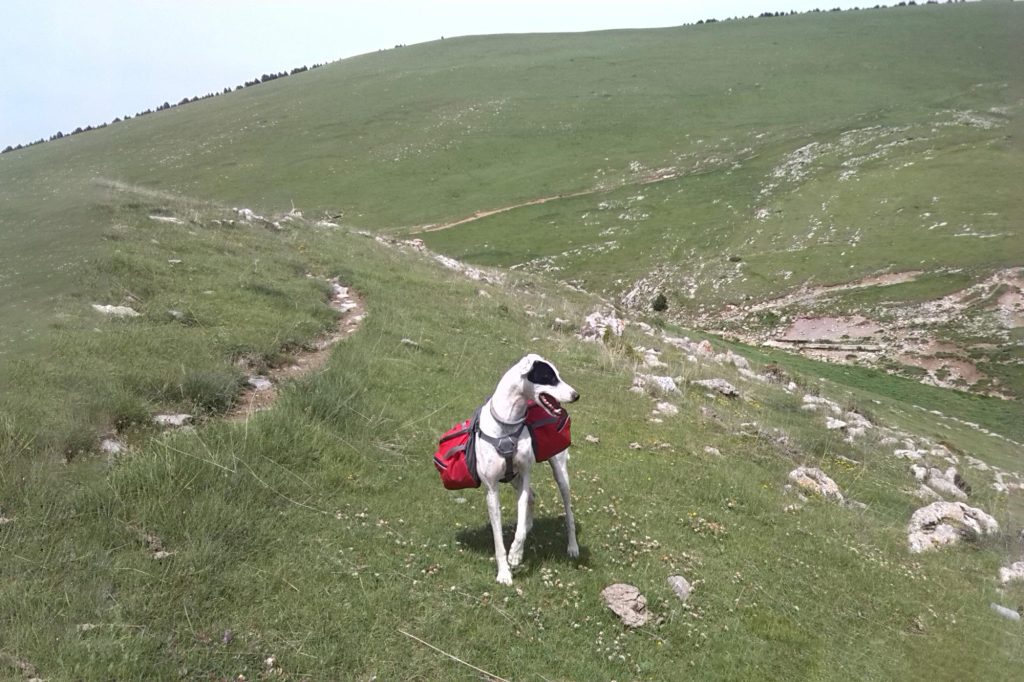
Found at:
[71, 63]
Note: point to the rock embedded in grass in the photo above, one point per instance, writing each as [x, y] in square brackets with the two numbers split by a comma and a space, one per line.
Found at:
[833, 424]
[1007, 613]
[651, 356]
[666, 408]
[926, 494]
[597, 324]
[815, 481]
[1012, 573]
[260, 383]
[654, 383]
[115, 310]
[944, 482]
[627, 603]
[175, 420]
[720, 385]
[680, 586]
[945, 523]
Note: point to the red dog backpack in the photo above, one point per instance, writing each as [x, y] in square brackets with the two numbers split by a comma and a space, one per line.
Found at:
[550, 435]
[455, 458]
[457, 470]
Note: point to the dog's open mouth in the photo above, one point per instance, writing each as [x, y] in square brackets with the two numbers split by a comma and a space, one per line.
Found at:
[553, 407]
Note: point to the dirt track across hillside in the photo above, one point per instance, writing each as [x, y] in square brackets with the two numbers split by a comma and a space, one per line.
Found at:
[484, 214]
[262, 392]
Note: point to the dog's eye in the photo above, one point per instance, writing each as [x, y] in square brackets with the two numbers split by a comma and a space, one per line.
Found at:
[543, 374]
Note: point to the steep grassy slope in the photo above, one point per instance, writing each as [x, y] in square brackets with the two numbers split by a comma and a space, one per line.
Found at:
[317, 533]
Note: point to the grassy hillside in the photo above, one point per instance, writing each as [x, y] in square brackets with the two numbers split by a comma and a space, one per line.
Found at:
[317, 533]
[818, 149]
[314, 541]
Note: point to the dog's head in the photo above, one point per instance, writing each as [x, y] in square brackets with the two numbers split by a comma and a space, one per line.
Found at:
[542, 384]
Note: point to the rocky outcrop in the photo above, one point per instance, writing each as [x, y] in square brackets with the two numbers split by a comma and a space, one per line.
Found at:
[945, 523]
[598, 324]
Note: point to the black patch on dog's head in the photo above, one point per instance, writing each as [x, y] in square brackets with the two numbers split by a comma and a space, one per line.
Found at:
[542, 374]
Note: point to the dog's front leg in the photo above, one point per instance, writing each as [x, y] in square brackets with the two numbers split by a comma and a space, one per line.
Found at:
[494, 512]
[515, 553]
[560, 468]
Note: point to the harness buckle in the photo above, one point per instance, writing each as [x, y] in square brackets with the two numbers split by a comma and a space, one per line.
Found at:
[506, 446]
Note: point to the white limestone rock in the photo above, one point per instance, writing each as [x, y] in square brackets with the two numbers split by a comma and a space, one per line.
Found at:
[627, 603]
[815, 481]
[944, 523]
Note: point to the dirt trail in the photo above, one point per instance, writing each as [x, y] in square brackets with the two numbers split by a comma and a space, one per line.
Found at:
[808, 294]
[484, 214]
[262, 391]
[649, 177]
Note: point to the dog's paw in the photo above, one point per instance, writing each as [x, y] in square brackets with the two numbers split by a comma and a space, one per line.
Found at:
[515, 555]
[573, 551]
[504, 577]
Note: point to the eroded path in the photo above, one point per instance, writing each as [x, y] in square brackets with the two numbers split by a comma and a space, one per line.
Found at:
[261, 391]
[647, 177]
[478, 215]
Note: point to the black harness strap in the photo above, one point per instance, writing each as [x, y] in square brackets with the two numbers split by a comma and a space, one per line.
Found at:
[505, 445]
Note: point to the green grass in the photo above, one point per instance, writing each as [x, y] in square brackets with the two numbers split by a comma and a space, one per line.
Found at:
[209, 295]
[318, 533]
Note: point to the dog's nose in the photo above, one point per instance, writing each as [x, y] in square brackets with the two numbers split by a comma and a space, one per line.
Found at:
[575, 396]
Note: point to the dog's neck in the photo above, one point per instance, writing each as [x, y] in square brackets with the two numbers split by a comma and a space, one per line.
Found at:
[508, 405]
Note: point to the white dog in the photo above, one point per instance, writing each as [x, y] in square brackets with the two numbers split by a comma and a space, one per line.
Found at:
[504, 449]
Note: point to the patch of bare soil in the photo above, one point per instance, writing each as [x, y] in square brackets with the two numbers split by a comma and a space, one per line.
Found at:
[808, 295]
[1011, 307]
[990, 307]
[944, 371]
[830, 329]
[262, 391]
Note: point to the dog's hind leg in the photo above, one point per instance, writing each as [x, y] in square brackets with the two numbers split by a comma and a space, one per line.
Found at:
[524, 519]
[494, 512]
[560, 468]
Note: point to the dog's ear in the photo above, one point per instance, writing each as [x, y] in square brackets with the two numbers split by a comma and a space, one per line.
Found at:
[525, 365]
[542, 373]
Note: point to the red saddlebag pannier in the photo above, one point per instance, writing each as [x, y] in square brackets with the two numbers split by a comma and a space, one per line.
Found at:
[550, 435]
[455, 458]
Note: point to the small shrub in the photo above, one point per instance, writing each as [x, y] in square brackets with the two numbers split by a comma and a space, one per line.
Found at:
[776, 373]
[659, 304]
